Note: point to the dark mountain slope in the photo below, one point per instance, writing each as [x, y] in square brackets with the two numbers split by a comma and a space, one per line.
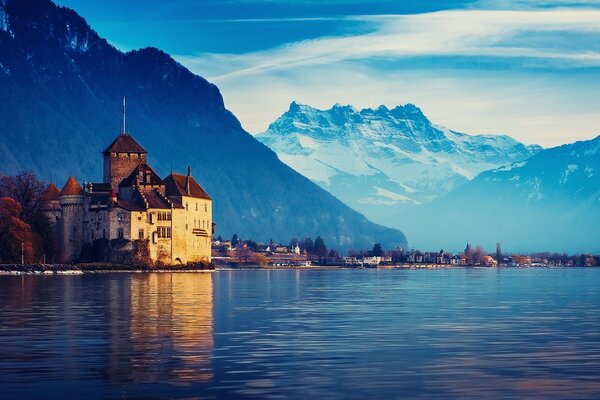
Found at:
[60, 98]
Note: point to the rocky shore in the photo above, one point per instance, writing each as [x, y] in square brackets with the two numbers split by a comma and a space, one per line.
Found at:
[47, 269]
[75, 269]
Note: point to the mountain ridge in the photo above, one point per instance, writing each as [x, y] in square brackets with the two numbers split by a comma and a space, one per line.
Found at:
[403, 159]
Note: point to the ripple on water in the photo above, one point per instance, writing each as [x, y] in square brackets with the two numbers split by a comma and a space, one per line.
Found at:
[324, 334]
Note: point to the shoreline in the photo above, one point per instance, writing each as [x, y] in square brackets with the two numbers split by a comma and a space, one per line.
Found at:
[95, 268]
[80, 269]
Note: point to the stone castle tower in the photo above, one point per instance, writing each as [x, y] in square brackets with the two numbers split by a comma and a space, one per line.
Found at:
[120, 158]
[71, 234]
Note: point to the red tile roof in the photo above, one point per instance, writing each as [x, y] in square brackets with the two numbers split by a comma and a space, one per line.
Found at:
[71, 188]
[155, 200]
[51, 193]
[125, 144]
[142, 169]
[176, 185]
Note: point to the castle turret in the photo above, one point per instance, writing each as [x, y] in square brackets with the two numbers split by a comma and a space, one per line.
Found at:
[51, 208]
[71, 232]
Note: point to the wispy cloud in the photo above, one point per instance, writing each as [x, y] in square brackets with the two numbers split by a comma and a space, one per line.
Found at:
[522, 72]
[472, 33]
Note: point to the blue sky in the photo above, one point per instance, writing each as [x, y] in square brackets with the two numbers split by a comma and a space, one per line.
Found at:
[527, 68]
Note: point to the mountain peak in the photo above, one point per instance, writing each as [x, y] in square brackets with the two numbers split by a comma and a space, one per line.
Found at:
[342, 107]
[408, 111]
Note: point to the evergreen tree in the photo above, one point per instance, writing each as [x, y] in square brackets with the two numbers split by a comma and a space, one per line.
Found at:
[320, 250]
[377, 250]
[307, 245]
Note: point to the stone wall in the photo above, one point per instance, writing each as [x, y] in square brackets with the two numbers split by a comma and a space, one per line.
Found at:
[118, 166]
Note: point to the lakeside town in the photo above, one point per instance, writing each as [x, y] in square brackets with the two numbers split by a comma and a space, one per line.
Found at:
[306, 253]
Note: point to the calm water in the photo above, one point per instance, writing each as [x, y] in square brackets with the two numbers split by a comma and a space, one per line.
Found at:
[302, 334]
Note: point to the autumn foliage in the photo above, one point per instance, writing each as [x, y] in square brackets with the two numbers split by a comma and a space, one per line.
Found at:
[23, 225]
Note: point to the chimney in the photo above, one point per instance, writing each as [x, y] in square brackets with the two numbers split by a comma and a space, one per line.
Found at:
[187, 180]
[113, 196]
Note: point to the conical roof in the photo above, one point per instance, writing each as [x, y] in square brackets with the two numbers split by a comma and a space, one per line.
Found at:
[71, 188]
[51, 193]
[124, 143]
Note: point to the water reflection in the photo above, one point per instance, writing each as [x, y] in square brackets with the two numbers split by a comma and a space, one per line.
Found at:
[170, 328]
[296, 334]
[130, 331]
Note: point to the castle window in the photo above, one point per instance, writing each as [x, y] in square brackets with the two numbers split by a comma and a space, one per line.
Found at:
[141, 234]
[120, 234]
[196, 206]
[186, 206]
[205, 208]
[163, 232]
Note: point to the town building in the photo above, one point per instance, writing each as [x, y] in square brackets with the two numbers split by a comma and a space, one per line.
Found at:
[133, 209]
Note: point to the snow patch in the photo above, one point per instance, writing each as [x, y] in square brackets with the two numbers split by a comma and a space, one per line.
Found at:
[589, 172]
[386, 198]
[511, 166]
[564, 177]
[535, 192]
[3, 17]
[307, 142]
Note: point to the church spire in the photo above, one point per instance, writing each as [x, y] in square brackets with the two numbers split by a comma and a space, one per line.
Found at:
[124, 125]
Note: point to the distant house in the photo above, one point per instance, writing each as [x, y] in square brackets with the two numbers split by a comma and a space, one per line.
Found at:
[295, 249]
[280, 249]
[490, 261]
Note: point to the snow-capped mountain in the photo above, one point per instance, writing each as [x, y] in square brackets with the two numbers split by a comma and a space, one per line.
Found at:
[548, 202]
[379, 160]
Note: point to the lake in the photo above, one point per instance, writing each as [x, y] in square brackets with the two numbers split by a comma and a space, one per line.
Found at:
[377, 334]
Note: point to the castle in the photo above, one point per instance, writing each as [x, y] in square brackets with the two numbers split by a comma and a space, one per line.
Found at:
[171, 217]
